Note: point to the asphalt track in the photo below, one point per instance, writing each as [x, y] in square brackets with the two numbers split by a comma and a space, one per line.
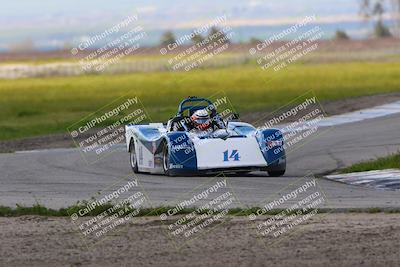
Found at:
[60, 177]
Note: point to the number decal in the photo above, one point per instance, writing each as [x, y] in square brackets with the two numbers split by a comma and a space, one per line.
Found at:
[226, 155]
[233, 156]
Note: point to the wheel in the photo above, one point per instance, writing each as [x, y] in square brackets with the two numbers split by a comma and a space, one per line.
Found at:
[133, 158]
[166, 160]
[276, 173]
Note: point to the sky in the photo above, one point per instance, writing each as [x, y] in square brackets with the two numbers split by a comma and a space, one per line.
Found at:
[58, 21]
[161, 13]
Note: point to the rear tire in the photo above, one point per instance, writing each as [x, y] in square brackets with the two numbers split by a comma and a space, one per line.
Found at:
[166, 160]
[276, 173]
[132, 157]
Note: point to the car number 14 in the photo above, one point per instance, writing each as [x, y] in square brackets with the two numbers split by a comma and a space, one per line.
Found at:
[233, 156]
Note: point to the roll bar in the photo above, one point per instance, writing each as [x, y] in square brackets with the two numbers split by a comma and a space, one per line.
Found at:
[192, 99]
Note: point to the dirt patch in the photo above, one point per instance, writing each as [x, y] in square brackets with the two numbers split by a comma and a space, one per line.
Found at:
[43, 142]
[331, 108]
[324, 240]
[357, 103]
[334, 107]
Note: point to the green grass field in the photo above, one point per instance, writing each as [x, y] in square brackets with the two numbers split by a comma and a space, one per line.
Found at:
[38, 106]
[41, 210]
[389, 162]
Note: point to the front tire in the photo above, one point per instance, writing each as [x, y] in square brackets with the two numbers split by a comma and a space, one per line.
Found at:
[132, 157]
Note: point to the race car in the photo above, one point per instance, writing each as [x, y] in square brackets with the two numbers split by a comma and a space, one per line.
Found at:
[199, 140]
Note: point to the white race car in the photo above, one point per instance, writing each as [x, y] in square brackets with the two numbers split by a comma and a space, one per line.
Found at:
[184, 147]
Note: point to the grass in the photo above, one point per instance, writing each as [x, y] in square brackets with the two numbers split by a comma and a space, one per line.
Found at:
[38, 106]
[40, 210]
[389, 162]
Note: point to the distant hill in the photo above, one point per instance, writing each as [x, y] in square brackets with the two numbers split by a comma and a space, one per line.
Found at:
[51, 25]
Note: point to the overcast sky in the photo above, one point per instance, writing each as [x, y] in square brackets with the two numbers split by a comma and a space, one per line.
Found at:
[161, 13]
[58, 20]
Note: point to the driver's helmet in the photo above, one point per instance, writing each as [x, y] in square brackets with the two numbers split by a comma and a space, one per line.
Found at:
[201, 119]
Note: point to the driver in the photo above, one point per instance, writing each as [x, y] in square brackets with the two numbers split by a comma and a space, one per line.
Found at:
[201, 121]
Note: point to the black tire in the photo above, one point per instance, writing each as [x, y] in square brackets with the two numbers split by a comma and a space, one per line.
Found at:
[276, 173]
[133, 157]
[165, 160]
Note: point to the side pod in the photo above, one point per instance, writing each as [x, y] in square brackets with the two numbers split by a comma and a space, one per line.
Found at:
[182, 153]
[271, 142]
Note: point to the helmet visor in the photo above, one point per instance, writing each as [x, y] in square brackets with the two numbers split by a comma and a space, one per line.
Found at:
[202, 120]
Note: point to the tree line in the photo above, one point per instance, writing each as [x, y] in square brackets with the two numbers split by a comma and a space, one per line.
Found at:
[370, 10]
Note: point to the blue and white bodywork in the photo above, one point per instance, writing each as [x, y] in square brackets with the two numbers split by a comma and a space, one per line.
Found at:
[233, 146]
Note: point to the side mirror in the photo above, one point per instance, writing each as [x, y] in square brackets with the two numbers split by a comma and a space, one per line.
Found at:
[235, 116]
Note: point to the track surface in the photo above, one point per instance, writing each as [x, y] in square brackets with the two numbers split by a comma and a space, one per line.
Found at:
[60, 177]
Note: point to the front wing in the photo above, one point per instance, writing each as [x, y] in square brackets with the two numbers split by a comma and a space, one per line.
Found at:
[231, 154]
